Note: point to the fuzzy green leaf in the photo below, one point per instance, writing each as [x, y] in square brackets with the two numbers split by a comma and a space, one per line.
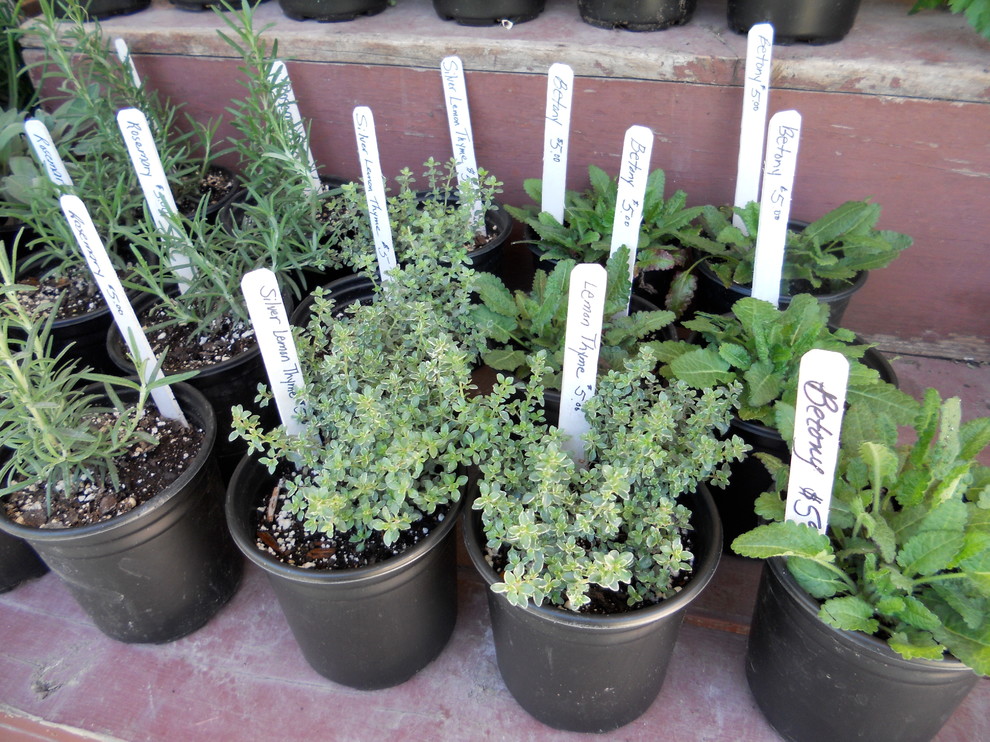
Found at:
[850, 613]
[783, 539]
[701, 368]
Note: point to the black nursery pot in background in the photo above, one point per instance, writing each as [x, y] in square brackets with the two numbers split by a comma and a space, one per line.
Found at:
[487, 12]
[330, 11]
[18, 562]
[815, 683]
[811, 21]
[636, 15]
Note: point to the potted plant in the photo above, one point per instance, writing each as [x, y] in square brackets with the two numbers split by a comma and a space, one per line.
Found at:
[830, 257]
[442, 209]
[590, 569]
[878, 627]
[760, 348]
[667, 234]
[518, 324]
[796, 20]
[636, 15]
[119, 501]
[486, 12]
[353, 519]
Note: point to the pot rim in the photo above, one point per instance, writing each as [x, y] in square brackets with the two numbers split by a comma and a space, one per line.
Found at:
[864, 642]
[829, 297]
[706, 562]
[205, 418]
[349, 577]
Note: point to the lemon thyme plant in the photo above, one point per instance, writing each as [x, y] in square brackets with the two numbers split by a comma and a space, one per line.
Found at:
[519, 324]
[614, 531]
[906, 556]
[667, 234]
[385, 398]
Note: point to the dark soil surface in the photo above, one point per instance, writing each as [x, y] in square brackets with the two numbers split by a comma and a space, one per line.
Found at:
[187, 351]
[143, 473]
[217, 184]
[280, 534]
[77, 290]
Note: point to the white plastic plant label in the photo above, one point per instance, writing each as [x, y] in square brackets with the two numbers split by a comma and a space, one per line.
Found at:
[461, 134]
[775, 204]
[287, 102]
[756, 98]
[124, 55]
[556, 138]
[634, 170]
[822, 381]
[113, 292]
[46, 152]
[374, 188]
[582, 344]
[278, 349]
[154, 184]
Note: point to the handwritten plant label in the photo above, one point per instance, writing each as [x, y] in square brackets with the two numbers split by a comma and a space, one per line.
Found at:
[556, 138]
[756, 97]
[106, 277]
[822, 381]
[634, 169]
[287, 103]
[46, 152]
[157, 192]
[374, 189]
[278, 349]
[124, 55]
[461, 134]
[775, 204]
[582, 344]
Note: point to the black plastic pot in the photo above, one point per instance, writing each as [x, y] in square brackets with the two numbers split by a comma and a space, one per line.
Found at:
[18, 562]
[329, 11]
[344, 291]
[811, 21]
[199, 5]
[590, 673]
[215, 209]
[816, 683]
[162, 570]
[487, 12]
[636, 15]
[714, 297]
[100, 9]
[367, 628]
[234, 381]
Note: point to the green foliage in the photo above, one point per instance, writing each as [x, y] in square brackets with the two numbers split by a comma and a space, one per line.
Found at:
[386, 396]
[977, 12]
[907, 554]
[826, 255]
[46, 417]
[272, 150]
[667, 234]
[567, 531]
[760, 347]
[86, 85]
[520, 324]
[16, 90]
